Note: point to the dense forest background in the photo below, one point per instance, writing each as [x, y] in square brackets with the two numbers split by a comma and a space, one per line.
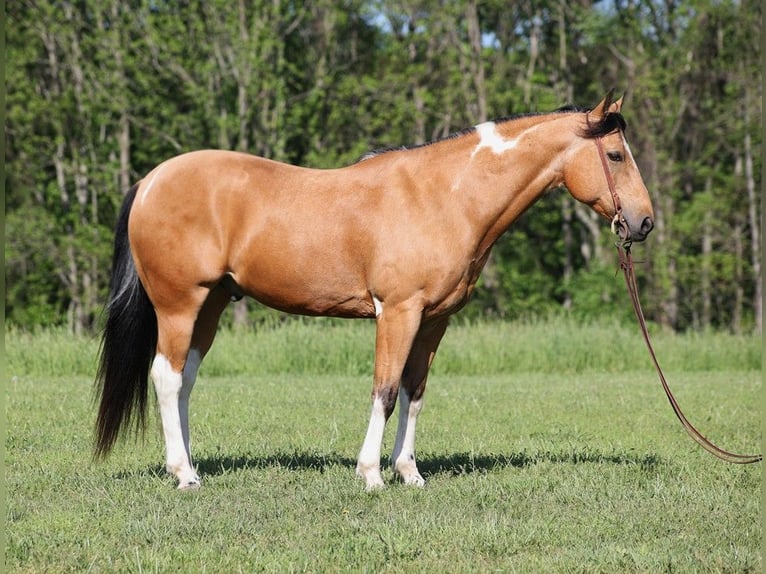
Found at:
[98, 92]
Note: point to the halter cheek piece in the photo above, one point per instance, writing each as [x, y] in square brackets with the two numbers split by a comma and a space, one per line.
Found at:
[619, 223]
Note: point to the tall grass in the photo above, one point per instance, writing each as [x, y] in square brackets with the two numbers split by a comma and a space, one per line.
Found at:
[319, 346]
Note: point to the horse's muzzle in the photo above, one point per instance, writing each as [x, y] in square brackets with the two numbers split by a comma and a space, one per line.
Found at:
[643, 230]
[628, 232]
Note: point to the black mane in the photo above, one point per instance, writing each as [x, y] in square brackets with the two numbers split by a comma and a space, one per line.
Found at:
[380, 151]
[610, 123]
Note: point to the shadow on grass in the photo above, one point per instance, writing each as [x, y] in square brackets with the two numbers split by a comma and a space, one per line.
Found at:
[457, 464]
[467, 463]
[429, 464]
[223, 464]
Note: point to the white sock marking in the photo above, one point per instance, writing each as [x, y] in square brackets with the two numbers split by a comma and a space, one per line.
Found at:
[403, 457]
[368, 465]
[167, 384]
[490, 138]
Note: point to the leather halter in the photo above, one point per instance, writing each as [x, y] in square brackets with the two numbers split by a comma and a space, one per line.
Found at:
[626, 264]
[619, 223]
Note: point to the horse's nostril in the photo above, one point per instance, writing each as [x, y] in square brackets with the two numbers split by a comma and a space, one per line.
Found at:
[647, 225]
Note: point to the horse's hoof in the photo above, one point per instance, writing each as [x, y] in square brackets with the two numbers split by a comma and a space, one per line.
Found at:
[371, 476]
[189, 485]
[408, 473]
[414, 480]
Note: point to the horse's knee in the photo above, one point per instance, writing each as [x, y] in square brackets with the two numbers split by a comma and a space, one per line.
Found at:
[387, 396]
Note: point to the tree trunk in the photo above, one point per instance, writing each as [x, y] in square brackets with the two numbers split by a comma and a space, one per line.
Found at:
[121, 84]
[476, 62]
[755, 232]
[739, 291]
[668, 287]
[123, 140]
[707, 253]
[534, 50]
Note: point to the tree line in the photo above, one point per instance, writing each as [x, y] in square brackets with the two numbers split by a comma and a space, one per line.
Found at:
[100, 91]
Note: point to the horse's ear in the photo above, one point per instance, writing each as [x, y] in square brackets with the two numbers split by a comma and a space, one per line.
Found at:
[606, 106]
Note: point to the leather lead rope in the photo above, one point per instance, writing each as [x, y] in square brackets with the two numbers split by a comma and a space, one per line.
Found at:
[626, 263]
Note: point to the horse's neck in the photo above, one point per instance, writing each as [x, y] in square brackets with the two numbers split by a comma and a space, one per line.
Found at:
[501, 169]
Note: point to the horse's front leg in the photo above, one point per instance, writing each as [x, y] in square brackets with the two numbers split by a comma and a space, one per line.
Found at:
[396, 329]
[411, 399]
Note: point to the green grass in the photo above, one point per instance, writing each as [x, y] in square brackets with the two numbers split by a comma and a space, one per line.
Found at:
[584, 470]
[335, 347]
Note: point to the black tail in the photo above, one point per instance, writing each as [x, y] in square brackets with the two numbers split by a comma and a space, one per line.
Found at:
[127, 346]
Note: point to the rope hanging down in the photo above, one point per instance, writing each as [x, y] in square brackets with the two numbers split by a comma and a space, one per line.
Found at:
[626, 263]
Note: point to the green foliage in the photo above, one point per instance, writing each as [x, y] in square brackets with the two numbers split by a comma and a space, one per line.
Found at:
[599, 294]
[101, 92]
[33, 294]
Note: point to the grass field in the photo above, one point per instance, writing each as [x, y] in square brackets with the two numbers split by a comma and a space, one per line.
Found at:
[537, 459]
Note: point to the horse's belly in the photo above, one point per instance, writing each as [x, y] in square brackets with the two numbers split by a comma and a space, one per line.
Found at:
[349, 308]
[307, 292]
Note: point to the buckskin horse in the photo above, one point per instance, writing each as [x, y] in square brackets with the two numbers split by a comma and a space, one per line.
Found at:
[400, 236]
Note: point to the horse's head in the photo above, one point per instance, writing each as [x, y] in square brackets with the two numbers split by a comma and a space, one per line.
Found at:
[601, 154]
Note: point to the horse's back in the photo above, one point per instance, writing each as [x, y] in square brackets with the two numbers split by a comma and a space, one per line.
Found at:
[207, 189]
[279, 230]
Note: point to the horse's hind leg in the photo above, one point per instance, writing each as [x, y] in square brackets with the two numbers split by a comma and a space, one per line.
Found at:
[174, 371]
[174, 336]
[411, 399]
[202, 339]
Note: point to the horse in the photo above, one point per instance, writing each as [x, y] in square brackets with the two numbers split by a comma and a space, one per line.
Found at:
[400, 236]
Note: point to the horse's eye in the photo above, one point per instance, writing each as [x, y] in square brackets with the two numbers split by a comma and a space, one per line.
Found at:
[615, 156]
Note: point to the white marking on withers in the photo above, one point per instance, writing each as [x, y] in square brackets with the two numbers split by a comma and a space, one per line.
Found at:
[151, 183]
[378, 305]
[490, 138]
